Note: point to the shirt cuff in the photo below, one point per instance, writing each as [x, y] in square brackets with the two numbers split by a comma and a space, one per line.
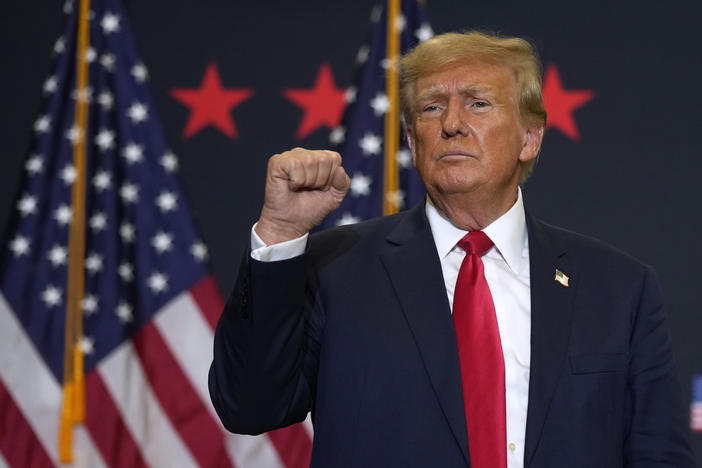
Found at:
[276, 252]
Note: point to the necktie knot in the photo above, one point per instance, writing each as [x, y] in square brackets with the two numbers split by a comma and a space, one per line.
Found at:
[475, 242]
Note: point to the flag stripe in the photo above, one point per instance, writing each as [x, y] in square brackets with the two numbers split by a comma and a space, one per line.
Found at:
[208, 299]
[253, 451]
[124, 377]
[293, 444]
[185, 331]
[107, 428]
[17, 439]
[85, 453]
[307, 423]
[35, 392]
[179, 400]
[30, 383]
[189, 335]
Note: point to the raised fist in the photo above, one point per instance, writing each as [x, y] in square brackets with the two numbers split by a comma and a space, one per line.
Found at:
[302, 187]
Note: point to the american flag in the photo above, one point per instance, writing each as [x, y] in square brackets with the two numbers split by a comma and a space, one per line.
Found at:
[362, 137]
[696, 405]
[148, 306]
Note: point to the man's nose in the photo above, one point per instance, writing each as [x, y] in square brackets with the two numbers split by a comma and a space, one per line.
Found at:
[454, 119]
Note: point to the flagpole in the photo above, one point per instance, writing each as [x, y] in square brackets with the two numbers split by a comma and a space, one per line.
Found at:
[392, 116]
[73, 408]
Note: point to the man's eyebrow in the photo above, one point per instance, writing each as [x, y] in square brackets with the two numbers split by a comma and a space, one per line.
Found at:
[470, 90]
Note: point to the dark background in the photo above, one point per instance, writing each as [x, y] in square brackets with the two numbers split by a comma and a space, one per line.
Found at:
[632, 179]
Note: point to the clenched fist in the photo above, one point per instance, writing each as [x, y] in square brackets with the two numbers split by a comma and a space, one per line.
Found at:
[302, 187]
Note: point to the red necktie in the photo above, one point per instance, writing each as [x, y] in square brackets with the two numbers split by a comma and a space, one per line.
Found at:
[480, 354]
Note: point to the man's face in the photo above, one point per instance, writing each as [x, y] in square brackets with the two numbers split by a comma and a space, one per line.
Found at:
[468, 136]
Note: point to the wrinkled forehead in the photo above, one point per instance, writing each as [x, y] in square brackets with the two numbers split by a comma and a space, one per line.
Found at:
[488, 78]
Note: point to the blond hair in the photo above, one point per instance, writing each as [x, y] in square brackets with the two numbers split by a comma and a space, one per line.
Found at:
[512, 52]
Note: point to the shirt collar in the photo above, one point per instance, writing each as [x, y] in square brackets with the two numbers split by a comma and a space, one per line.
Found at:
[508, 232]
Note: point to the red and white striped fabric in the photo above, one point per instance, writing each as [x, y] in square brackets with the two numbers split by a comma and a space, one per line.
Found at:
[147, 403]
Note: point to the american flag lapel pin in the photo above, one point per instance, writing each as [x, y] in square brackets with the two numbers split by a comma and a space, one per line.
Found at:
[561, 277]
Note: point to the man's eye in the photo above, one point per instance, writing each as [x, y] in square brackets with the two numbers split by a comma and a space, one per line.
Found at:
[480, 106]
[430, 108]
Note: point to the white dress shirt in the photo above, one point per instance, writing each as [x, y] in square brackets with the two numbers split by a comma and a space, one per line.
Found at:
[507, 274]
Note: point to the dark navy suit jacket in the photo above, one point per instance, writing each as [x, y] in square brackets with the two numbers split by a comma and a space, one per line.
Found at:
[359, 331]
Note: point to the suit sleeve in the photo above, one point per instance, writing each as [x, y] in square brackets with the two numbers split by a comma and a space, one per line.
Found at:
[658, 435]
[265, 350]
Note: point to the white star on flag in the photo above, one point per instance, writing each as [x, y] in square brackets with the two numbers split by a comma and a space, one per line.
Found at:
[124, 312]
[90, 55]
[337, 135]
[424, 33]
[138, 112]
[51, 296]
[404, 158]
[74, 134]
[158, 282]
[89, 304]
[380, 104]
[35, 164]
[102, 181]
[98, 222]
[360, 184]
[27, 205]
[57, 255]
[347, 218]
[87, 345]
[388, 62]
[42, 124]
[60, 45]
[169, 162]
[83, 95]
[375, 13]
[139, 72]
[105, 139]
[199, 251]
[397, 198]
[63, 215]
[126, 232]
[105, 100]
[350, 95]
[50, 85]
[362, 54]
[400, 22]
[68, 174]
[162, 242]
[129, 193]
[126, 272]
[166, 201]
[108, 62]
[19, 246]
[93, 263]
[370, 144]
[133, 153]
[110, 23]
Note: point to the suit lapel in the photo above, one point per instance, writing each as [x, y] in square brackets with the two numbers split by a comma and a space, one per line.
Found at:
[414, 269]
[551, 310]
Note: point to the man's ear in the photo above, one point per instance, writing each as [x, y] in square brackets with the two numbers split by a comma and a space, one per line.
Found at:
[532, 143]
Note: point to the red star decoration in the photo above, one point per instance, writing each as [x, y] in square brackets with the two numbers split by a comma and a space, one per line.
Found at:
[323, 104]
[210, 104]
[561, 104]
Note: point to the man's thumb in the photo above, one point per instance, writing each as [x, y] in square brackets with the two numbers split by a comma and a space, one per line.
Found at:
[340, 182]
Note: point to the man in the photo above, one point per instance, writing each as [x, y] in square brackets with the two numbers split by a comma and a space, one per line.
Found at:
[462, 332]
